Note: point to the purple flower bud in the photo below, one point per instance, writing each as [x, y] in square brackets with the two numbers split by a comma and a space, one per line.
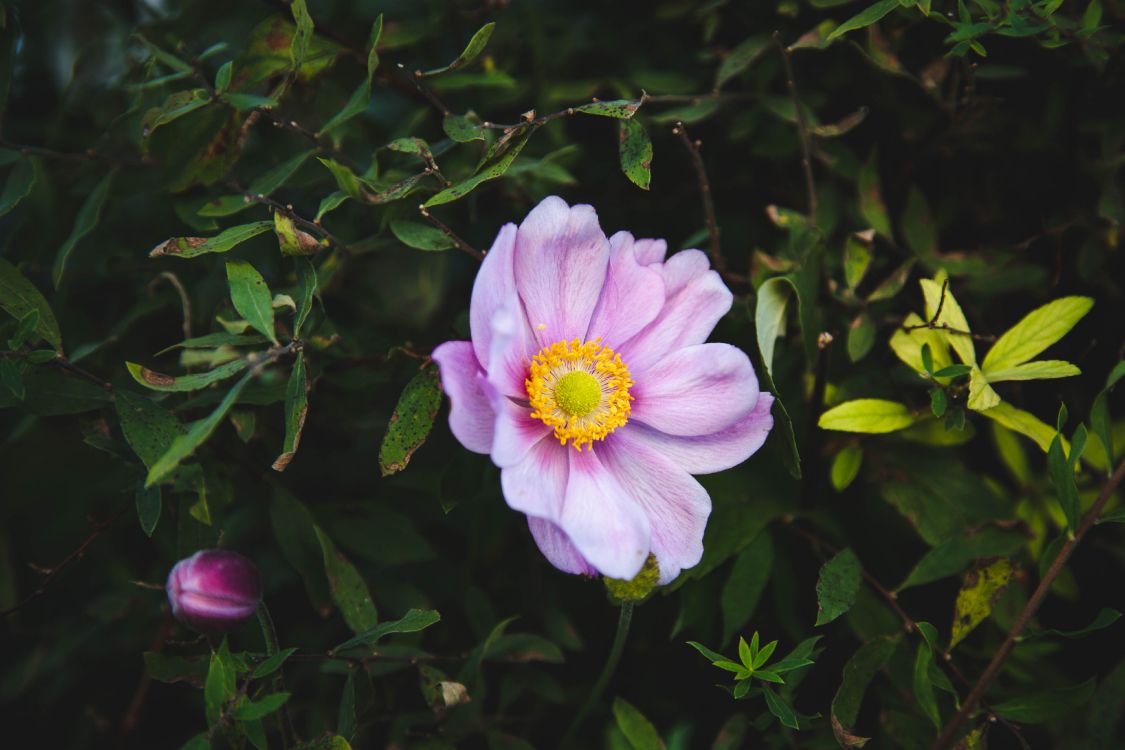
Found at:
[214, 590]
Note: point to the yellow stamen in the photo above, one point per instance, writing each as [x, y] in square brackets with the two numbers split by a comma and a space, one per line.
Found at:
[581, 389]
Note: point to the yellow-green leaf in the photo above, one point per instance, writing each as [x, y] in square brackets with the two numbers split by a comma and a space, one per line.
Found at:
[951, 316]
[981, 394]
[1043, 369]
[1024, 423]
[871, 415]
[1039, 329]
[907, 346]
[978, 592]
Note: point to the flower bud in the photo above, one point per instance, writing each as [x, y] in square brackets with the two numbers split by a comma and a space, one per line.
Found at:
[640, 586]
[214, 590]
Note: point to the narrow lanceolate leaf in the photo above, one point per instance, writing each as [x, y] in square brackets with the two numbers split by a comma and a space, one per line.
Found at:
[1039, 329]
[1104, 619]
[411, 422]
[1045, 369]
[491, 171]
[257, 709]
[149, 503]
[472, 50]
[296, 408]
[769, 315]
[939, 299]
[361, 97]
[303, 35]
[636, 153]
[158, 381]
[871, 14]
[19, 298]
[978, 593]
[85, 222]
[781, 709]
[273, 663]
[740, 58]
[251, 297]
[420, 236]
[347, 587]
[1047, 705]
[274, 178]
[743, 588]
[619, 109]
[924, 686]
[414, 621]
[1099, 413]
[871, 203]
[1062, 476]
[837, 586]
[18, 185]
[858, 674]
[185, 445]
[306, 293]
[149, 428]
[1022, 422]
[190, 247]
[219, 687]
[638, 730]
[870, 415]
[173, 108]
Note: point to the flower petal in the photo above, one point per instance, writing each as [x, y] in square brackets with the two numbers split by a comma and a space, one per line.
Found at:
[560, 265]
[537, 484]
[697, 390]
[605, 524]
[471, 417]
[511, 349]
[650, 251]
[516, 432]
[677, 506]
[494, 287]
[557, 547]
[696, 298]
[706, 454]
[631, 296]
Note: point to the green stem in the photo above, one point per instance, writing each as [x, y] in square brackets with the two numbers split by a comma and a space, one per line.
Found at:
[269, 635]
[623, 620]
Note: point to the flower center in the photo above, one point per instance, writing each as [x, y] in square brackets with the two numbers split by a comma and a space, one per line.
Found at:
[581, 389]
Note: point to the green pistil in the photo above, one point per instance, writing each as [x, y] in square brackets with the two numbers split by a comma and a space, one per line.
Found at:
[578, 393]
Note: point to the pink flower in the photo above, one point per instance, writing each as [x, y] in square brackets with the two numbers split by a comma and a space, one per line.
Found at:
[214, 590]
[588, 382]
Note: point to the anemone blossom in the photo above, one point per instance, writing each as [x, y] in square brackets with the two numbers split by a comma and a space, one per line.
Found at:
[589, 384]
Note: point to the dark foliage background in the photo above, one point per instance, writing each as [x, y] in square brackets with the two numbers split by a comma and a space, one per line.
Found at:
[982, 140]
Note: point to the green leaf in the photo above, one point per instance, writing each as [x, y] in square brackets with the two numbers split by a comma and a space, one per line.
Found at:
[219, 688]
[800, 656]
[411, 422]
[19, 298]
[893, 284]
[619, 109]
[857, 259]
[420, 236]
[868, 415]
[982, 397]
[361, 97]
[1035, 332]
[173, 108]
[745, 653]
[744, 586]
[1062, 476]
[978, 593]
[347, 587]
[636, 153]
[462, 129]
[1047, 705]
[1022, 422]
[837, 586]
[871, 14]
[858, 673]
[200, 741]
[956, 553]
[273, 663]
[490, 171]
[291, 240]
[638, 730]
[148, 502]
[918, 226]
[871, 204]
[346, 714]
[861, 337]
[306, 293]
[845, 467]
[769, 315]
[740, 58]
[1105, 617]
[87, 219]
[149, 428]
[252, 710]
[712, 656]
[472, 50]
[222, 78]
[1099, 413]
[924, 686]
[251, 297]
[938, 295]
[191, 247]
[296, 409]
[158, 381]
[779, 708]
[185, 445]
[11, 378]
[303, 35]
[18, 185]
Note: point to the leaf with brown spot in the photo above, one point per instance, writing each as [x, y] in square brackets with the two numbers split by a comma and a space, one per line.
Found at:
[348, 589]
[190, 247]
[411, 422]
[158, 381]
[296, 409]
[982, 586]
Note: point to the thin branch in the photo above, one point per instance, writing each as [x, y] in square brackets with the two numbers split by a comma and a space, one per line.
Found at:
[185, 300]
[49, 574]
[948, 329]
[717, 260]
[802, 126]
[430, 96]
[461, 245]
[89, 155]
[977, 693]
